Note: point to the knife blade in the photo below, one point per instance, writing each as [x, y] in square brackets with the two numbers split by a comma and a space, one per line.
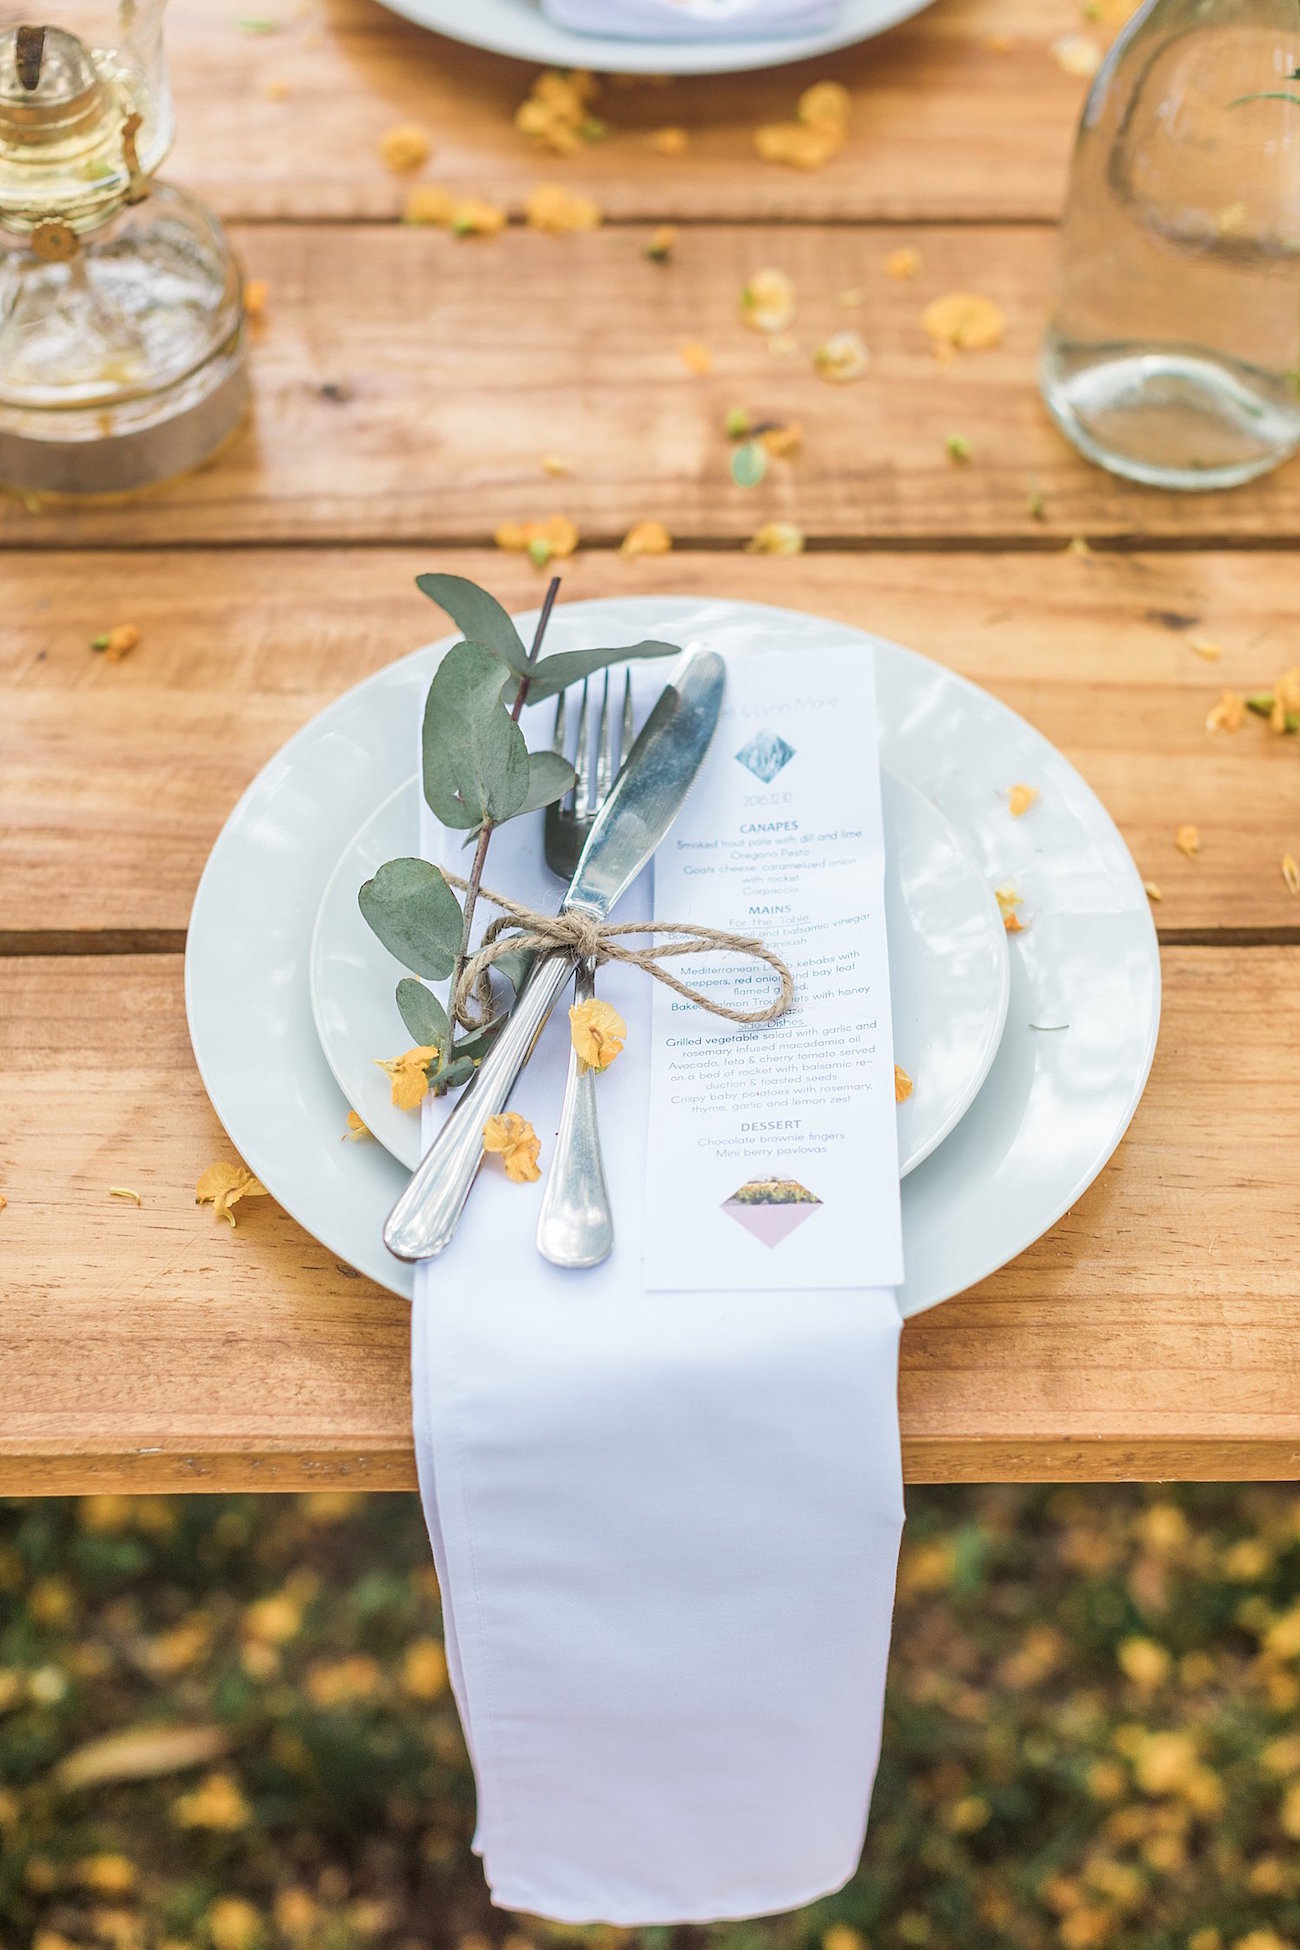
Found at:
[642, 805]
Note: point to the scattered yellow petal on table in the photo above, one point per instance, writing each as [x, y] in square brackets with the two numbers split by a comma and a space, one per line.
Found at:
[776, 538]
[1152, 891]
[124, 1191]
[256, 293]
[552, 208]
[841, 357]
[222, 1186]
[1286, 700]
[1228, 714]
[1078, 545]
[1020, 799]
[474, 216]
[429, 203]
[1291, 873]
[407, 1074]
[964, 320]
[1000, 43]
[512, 1138]
[356, 1129]
[554, 464]
[1201, 646]
[539, 540]
[902, 1084]
[3, 1201]
[276, 89]
[646, 538]
[826, 105]
[903, 263]
[405, 146]
[767, 301]
[117, 643]
[783, 443]
[1077, 54]
[597, 1032]
[669, 142]
[659, 248]
[1188, 841]
[557, 114]
[696, 357]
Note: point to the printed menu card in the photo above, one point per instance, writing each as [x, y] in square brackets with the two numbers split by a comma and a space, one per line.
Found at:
[773, 1149]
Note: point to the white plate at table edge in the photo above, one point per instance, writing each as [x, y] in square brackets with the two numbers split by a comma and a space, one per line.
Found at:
[519, 29]
[950, 974]
[1085, 989]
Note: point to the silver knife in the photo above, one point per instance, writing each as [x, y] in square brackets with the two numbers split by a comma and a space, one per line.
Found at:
[645, 800]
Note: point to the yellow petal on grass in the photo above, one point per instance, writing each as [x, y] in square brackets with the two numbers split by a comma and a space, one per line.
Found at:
[1229, 714]
[903, 1085]
[124, 1191]
[597, 1032]
[405, 146]
[356, 1129]
[1077, 54]
[963, 320]
[695, 357]
[767, 301]
[903, 263]
[552, 208]
[408, 1075]
[1188, 841]
[1291, 873]
[669, 142]
[1020, 799]
[512, 1138]
[1009, 902]
[841, 357]
[776, 538]
[222, 1186]
[646, 538]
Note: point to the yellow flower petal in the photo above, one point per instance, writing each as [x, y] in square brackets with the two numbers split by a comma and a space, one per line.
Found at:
[904, 263]
[902, 1084]
[1077, 54]
[1020, 799]
[124, 1191]
[256, 293]
[222, 1186]
[356, 1129]
[427, 203]
[1291, 873]
[669, 142]
[796, 145]
[550, 207]
[776, 538]
[1188, 841]
[1009, 903]
[963, 320]
[1152, 891]
[646, 538]
[1228, 714]
[598, 1033]
[843, 356]
[696, 357]
[1202, 646]
[405, 146]
[539, 539]
[784, 443]
[474, 216]
[767, 301]
[119, 642]
[826, 105]
[659, 248]
[513, 1139]
[408, 1075]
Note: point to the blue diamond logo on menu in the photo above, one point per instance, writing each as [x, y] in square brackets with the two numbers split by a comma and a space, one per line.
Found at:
[765, 755]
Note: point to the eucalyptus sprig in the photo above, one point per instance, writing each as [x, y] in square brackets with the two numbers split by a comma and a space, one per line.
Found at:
[477, 773]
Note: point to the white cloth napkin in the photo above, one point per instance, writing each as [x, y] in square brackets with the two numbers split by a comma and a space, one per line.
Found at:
[683, 20]
[666, 1527]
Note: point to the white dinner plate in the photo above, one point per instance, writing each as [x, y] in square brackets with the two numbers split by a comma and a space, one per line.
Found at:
[949, 971]
[519, 27]
[1085, 973]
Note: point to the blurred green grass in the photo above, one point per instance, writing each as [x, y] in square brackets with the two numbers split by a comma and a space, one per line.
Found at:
[1092, 1736]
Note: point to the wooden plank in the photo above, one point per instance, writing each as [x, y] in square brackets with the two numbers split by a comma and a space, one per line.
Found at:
[1154, 1331]
[948, 120]
[115, 779]
[408, 384]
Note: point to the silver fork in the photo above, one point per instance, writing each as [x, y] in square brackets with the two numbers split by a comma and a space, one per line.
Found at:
[576, 1226]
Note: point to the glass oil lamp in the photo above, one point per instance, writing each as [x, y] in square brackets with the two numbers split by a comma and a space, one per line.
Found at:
[121, 315]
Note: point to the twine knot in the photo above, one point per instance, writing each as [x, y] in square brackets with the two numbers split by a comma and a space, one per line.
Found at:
[585, 938]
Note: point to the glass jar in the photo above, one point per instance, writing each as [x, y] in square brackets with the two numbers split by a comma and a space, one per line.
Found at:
[1173, 351]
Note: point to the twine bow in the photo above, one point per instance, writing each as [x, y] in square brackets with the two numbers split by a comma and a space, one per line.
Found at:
[587, 939]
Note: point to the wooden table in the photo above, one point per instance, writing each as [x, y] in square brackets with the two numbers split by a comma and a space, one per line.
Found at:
[407, 384]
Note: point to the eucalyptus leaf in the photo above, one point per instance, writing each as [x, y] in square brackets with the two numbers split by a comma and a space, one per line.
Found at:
[458, 1071]
[416, 916]
[477, 1044]
[477, 615]
[549, 777]
[475, 759]
[748, 463]
[423, 1014]
[514, 964]
[555, 674]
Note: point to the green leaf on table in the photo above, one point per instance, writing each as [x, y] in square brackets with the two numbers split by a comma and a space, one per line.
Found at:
[477, 615]
[555, 674]
[748, 463]
[416, 916]
[475, 759]
[549, 777]
[423, 1014]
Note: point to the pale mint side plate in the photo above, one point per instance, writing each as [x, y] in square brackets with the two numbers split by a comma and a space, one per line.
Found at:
[1085, 975]
[520, 28]
[950, 973]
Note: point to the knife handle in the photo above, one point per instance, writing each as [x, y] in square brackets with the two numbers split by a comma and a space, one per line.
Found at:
[426, 1215]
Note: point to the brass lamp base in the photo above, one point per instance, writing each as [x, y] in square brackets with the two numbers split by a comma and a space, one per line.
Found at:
[59, 452]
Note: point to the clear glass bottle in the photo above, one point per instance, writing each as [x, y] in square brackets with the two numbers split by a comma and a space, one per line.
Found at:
[1173, 351]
